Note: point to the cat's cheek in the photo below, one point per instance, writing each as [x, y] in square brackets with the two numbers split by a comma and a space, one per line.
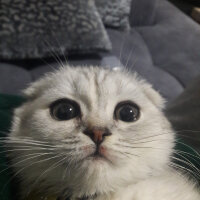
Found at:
[50, 127]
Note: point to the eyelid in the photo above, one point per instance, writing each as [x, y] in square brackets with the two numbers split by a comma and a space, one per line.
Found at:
[119, 104]
[64, 100]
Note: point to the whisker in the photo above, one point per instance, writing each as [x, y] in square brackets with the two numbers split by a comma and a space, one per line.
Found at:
[130, 141]
[188, 154]
[139, 147]
[122, 49]
[29, 139]
[175, 152]
[176, 141]
[58, 43]
[66, 169]
[53, 53]
[74, 159]
[150, 147]
[50, 65]
[196, 152]
[188, 137]
[72, 142]
[143, 138]
[19, 171]
[21, 139]
[21, 161]
[49, 169]
[134, 63]
[188, 163]
[17, 143]
[15, 150]
[131, 154]
[27, 155]
[188, 130]
[124, 152]
[130, 53]
[184, 169]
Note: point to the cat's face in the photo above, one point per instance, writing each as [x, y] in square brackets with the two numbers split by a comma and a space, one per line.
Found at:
[90, 130]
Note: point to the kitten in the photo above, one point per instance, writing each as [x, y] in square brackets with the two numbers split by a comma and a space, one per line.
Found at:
[93, 133]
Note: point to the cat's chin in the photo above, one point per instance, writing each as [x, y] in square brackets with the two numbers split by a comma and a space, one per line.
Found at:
[98, 160]
[98, 155]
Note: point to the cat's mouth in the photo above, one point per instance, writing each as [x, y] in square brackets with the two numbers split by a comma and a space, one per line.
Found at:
[99, 154]
[98, 157]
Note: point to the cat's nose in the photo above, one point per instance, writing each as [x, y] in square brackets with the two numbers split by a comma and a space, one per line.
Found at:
[97, 134]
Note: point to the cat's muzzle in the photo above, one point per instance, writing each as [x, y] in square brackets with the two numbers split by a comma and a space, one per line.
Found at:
[97, 135]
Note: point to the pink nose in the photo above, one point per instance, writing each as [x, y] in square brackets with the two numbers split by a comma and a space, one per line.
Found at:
[97, 134]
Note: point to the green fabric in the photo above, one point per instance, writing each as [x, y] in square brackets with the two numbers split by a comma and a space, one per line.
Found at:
[7, 105]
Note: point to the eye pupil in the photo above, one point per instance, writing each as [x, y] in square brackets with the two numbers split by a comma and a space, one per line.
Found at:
[64, 110]
[127, 112]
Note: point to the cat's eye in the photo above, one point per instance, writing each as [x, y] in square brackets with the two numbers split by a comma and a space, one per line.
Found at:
[64, 109]
[127, 111]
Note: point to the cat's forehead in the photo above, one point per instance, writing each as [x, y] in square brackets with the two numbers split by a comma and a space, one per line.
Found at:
[88, 85]
[92, 82]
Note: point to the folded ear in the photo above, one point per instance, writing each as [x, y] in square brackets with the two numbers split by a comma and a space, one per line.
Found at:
[36, 88]
[153, 95]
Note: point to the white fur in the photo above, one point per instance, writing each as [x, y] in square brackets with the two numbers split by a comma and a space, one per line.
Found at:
[146, 176]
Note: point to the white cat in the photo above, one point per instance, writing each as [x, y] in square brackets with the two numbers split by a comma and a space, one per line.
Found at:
[93, 133]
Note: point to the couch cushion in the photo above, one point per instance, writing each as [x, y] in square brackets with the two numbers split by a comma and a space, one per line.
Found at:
[174, 42]
[35, 29]
[143, 12]
[114, 13]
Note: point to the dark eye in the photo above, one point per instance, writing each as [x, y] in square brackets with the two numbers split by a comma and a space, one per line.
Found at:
[127, 112]
[64, 109]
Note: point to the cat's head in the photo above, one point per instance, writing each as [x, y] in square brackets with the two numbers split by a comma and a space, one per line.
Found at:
[90, 130]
